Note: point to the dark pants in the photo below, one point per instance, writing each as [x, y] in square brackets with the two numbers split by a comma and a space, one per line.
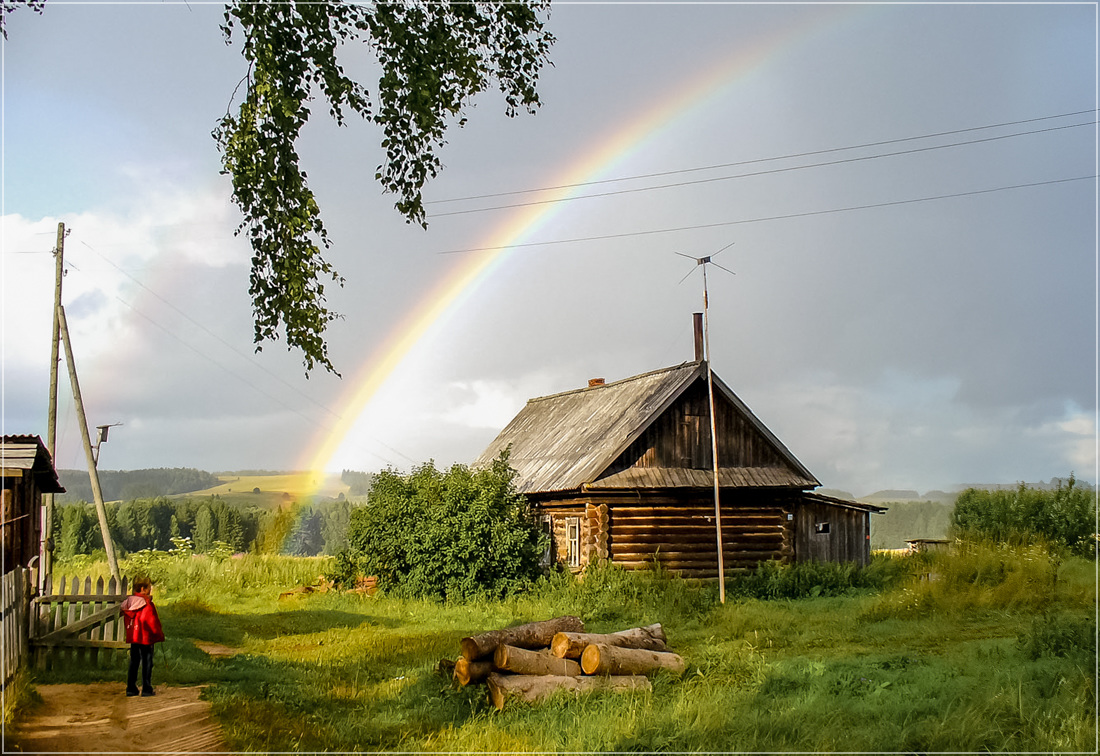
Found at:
[142, 654]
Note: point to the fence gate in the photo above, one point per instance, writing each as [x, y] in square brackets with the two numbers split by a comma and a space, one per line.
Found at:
[75, 625]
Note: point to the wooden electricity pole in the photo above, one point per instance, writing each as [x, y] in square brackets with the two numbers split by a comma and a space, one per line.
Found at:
[713, 438]
[703, 262]
[93, 473]
[51, 426]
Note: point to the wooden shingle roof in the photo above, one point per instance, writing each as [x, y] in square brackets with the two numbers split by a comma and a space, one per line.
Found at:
[22, 456]
[565, 441]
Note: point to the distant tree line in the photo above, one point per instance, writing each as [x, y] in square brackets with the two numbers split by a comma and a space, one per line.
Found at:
[138, 524]
[358, 483]
[120, 485]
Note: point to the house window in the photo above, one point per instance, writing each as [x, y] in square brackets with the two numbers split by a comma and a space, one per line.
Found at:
[547, 524]
[821, 527]
[573, 538]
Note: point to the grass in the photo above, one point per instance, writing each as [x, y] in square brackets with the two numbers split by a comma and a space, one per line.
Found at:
[275, 489]
[962, 652]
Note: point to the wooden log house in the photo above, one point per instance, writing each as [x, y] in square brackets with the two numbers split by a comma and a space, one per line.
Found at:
[622, 472]
[28, 472]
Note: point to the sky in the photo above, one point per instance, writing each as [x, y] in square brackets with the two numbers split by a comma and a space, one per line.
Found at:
[904, 196]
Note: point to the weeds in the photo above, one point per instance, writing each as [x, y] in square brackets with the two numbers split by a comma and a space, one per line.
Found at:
[983, 649]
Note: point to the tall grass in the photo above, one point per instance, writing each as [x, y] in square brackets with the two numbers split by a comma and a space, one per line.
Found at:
[981, 660]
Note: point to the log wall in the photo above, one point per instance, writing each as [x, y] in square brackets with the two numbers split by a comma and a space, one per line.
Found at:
[636, 530]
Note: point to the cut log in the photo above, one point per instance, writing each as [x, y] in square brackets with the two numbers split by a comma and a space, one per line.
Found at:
[572, 645]
[467, 671]
[523, 662]
[445, 668]
[599, 659]
[503, 688]
[531, 635]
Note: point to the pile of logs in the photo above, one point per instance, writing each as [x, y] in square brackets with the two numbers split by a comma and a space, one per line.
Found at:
[531, 662]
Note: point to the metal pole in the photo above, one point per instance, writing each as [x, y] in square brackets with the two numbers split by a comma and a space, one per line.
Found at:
[713, 443]
[51, 426]
[93, 474]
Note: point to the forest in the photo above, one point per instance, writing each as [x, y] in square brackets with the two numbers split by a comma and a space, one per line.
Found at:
[210, 524]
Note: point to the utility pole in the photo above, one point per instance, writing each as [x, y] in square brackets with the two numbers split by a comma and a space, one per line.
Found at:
[93, 473]
[713, 437]
[51, 426]
[702, 262]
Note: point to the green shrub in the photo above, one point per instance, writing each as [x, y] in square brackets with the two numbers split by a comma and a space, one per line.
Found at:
[1065, 517]
[458, 534]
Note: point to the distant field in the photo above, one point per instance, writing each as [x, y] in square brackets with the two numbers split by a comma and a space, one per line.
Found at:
[276, 488]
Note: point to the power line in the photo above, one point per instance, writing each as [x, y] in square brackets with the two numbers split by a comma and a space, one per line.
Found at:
[756, 160]
[241, 378]
[787, 216]
[213, 335]
[750, 174]
[229, 370]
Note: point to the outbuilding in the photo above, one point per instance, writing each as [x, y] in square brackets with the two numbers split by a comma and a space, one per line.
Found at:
[623, 472]
[28, 472]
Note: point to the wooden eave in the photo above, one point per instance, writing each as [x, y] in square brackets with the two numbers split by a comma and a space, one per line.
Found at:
[23, 456]
[845, 503]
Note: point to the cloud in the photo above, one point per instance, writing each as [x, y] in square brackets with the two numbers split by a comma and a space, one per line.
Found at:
[920, 433]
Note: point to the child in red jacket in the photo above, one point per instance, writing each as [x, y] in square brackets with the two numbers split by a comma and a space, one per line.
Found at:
[143, 629]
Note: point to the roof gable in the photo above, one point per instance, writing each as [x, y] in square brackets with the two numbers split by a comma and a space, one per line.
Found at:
[569, 440]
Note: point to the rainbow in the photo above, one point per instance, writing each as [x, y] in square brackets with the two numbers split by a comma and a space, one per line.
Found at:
[476, 267]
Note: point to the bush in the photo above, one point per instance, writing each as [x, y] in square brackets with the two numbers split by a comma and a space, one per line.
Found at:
[458, 534]
[1064, 517]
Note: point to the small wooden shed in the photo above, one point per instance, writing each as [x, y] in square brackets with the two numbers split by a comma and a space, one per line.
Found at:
[623, 471]
[28, 472]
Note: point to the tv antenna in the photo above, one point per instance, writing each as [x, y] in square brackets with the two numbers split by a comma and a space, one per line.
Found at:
[702, 262]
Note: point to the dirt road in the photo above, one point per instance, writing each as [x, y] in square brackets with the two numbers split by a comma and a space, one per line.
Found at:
[83, 718]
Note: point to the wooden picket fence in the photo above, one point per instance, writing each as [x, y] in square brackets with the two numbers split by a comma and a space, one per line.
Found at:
[74, 624]
[15, 594]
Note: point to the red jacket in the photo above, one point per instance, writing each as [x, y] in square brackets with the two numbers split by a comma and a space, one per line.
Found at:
[139, 616]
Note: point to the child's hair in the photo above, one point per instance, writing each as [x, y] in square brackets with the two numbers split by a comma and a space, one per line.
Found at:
[142, 582]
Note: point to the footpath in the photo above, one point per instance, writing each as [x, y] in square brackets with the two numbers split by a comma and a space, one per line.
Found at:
[99, 717]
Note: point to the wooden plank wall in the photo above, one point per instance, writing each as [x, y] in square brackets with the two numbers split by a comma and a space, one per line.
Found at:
[680, 437]
[847, 540]
[20, 512]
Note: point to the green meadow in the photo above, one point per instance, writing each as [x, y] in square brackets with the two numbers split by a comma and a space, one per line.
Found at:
[987, 648]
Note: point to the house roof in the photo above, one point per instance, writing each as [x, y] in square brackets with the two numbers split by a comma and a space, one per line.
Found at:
[26, 455]
[566, 441]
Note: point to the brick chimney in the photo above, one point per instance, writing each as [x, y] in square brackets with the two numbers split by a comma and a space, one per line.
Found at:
[593, 382]
[697, 322]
